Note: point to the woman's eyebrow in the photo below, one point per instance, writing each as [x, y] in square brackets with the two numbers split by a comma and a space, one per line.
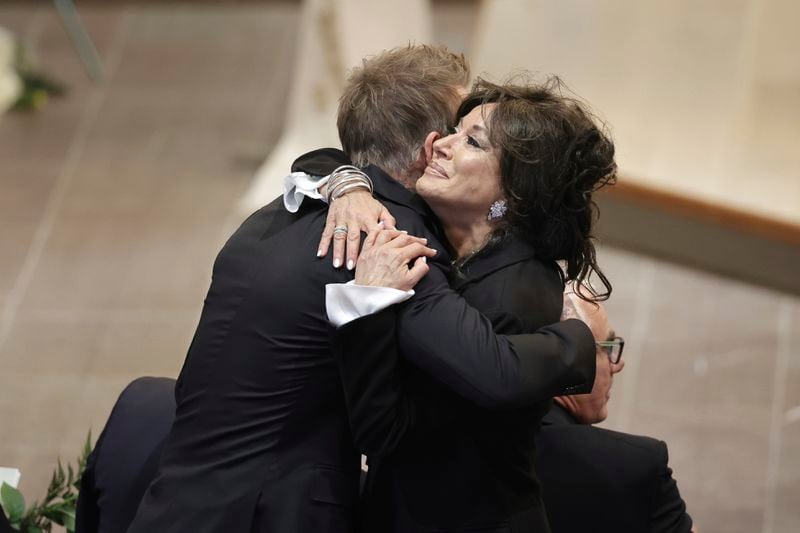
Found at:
[483, 131]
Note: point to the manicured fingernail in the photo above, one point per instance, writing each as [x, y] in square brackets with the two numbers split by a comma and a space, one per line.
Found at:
[319, 253]
[350, 264]
[424, 259]
[403, 231]
[380, 223]
[337, 263]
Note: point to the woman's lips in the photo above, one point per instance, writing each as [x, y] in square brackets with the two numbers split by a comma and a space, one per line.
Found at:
[436, 170]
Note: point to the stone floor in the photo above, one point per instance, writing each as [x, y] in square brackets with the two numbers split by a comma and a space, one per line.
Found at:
[115, 199]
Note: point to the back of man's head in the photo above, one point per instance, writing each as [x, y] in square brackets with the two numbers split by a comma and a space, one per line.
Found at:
[394, 99]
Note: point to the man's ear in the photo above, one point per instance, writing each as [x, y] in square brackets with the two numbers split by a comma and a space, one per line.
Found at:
[428, 146]
[419, 164]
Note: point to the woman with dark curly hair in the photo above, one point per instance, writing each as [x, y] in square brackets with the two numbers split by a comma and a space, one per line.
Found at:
[544, 156]
[512, 186]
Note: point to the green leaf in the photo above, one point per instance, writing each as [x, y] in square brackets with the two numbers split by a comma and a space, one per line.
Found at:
[54, 514]
[12, 501]
[69, 520]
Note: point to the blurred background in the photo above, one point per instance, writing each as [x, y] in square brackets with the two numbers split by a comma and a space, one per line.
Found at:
[149, 130]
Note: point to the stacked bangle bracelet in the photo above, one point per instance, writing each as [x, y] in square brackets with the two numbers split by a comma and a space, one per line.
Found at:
[347, 178]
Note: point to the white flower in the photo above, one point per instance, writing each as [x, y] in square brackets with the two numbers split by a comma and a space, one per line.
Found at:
[7, 47]
[10, 84]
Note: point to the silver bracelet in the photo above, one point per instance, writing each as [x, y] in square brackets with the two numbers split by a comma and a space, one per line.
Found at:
[333, 191]
[347, 175]
[343, 190]
[342, 180]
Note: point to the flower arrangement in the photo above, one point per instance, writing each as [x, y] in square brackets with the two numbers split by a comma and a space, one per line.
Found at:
[58, 505]
[21, 86]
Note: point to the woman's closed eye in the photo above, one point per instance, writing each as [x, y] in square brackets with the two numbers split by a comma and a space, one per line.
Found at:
[472, 141]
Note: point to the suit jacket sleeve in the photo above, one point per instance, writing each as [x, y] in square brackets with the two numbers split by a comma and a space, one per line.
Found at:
[441, 334]
[458, 346]
[669, 510]
[382, 410]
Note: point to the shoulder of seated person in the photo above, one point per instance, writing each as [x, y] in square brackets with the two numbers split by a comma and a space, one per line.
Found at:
[641, 458]
[646, 456]
[597, 436]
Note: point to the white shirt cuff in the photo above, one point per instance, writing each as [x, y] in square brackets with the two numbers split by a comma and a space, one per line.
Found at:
[298, 185]
[346, 302]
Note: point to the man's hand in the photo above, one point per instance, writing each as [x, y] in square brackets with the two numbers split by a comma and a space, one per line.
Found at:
[357, 211]
[568, 310]
[385, 259]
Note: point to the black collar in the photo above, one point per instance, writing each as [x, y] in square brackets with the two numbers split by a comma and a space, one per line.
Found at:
[512, 249]
[320, 162]
[389, 188]
[558, 416]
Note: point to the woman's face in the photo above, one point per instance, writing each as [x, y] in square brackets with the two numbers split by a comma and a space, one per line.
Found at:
[463, 172]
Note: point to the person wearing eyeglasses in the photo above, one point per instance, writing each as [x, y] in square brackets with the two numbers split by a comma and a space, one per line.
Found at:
[598, 480]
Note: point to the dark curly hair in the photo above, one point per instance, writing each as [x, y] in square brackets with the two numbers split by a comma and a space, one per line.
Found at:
[553, 156]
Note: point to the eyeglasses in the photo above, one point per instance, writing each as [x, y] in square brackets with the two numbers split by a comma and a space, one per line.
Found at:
[613, 349]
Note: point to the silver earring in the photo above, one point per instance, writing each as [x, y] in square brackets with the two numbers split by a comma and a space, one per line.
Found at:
[497, 210]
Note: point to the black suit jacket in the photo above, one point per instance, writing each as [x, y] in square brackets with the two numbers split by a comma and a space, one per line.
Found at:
[603, 481]
[125, 457]
[438, 463]
[261, 440]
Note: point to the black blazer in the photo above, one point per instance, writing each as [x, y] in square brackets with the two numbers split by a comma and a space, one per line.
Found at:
[261, 440]
[438, 463]
[125, 457]
[603, 481]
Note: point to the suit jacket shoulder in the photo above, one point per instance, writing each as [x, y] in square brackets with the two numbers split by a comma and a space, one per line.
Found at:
[606, 480]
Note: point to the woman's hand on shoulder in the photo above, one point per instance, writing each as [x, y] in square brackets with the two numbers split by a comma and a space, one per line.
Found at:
[353, 213]
[392, 258]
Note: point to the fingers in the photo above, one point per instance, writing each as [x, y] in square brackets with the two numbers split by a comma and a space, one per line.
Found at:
[353, 241]
[404, 239]
[418, 271]
[339, 246]
[411, 251]
[387, 235]
[372, 236]
[327, 234]
[388, 220]
[357, 211]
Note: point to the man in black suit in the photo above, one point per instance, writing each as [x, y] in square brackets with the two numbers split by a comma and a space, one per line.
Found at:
[598, 480]
[261, 440]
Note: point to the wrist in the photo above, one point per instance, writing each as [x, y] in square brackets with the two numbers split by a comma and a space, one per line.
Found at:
[347, 179]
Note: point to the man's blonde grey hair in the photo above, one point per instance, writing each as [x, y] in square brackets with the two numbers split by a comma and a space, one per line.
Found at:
[394, 99]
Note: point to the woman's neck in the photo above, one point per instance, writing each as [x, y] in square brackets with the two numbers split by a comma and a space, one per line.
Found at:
[467, 237]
